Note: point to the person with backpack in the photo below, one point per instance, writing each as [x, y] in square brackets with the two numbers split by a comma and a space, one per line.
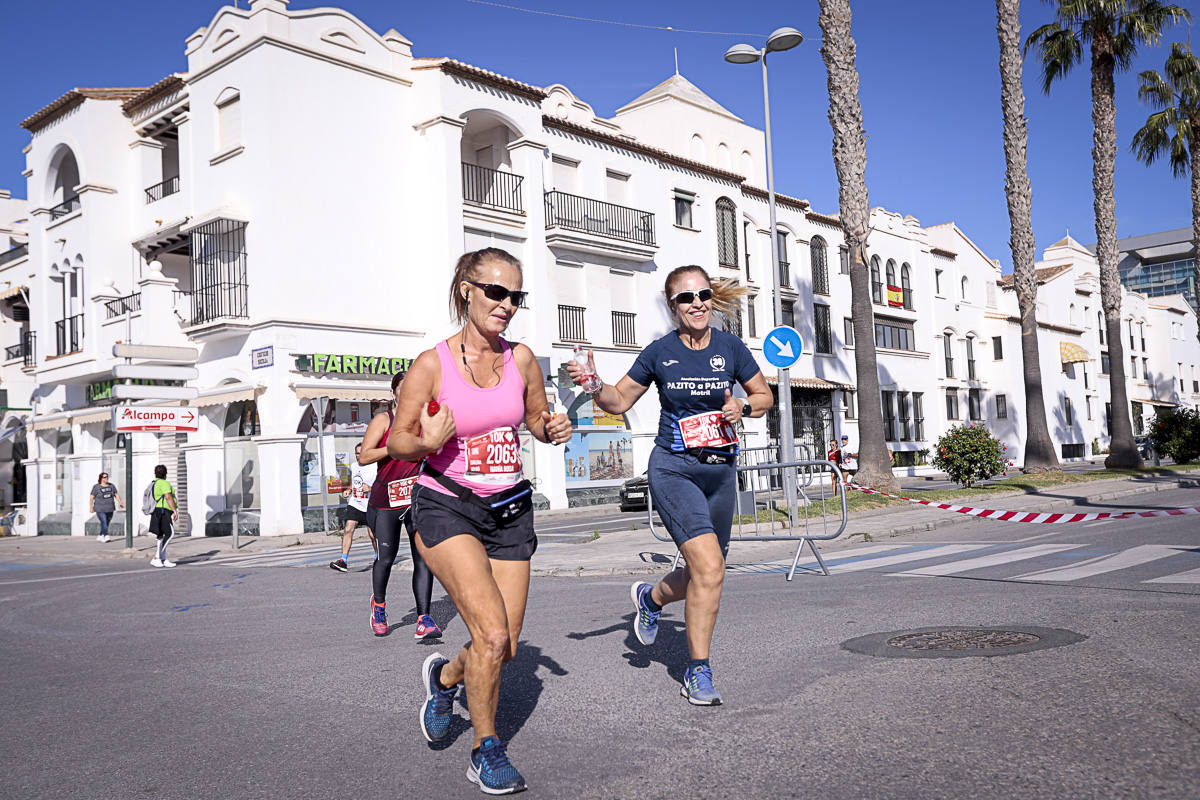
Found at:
[159, 502]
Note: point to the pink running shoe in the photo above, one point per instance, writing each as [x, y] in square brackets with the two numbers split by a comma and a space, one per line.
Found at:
[378, 618]
[427, 628]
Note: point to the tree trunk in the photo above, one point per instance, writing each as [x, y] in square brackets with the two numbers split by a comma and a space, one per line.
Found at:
[1039, 453]
[1104, 153]
[850, 159]
[1194, 152]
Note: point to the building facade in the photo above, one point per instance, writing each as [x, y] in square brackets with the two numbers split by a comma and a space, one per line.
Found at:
[300, 232]
[1157, 264]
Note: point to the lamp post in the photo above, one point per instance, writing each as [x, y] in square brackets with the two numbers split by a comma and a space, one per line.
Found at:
[780, 40]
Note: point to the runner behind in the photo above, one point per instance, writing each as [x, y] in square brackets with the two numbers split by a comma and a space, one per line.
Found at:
[361, 479]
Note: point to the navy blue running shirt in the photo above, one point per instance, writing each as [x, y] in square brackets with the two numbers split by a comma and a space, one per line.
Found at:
[691, 381]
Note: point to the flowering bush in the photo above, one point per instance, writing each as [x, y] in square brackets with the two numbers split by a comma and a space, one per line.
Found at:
[968, 454]
[1175, 432]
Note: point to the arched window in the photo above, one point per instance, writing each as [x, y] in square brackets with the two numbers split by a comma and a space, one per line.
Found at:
[820, 266]
[891, 272]
[699, 151]
[964, 289]
[948, 350]
[229, 118]
[1100, 325]
[63, 177]
[723, 158]
[971, 358]
[876, 285]
[906, 286]
[727, 250]
[1071, 314]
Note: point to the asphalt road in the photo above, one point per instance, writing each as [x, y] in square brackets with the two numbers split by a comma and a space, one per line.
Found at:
[255, 682]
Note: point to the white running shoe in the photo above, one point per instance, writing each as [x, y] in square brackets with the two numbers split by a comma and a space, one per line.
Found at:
[154, 562]
[167, 563]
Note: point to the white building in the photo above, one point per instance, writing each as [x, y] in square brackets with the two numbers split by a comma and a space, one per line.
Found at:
[292, 205]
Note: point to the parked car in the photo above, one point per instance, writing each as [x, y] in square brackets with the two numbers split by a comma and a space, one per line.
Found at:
[1143, 446]
[635, 493]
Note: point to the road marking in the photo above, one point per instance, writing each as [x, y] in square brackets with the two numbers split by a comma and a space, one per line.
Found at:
[900, 558]
[143, 571]
[1141, 554]
[992, 560]
[1191, 576]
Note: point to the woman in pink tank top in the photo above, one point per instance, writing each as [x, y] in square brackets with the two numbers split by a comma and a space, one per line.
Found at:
[471, 509]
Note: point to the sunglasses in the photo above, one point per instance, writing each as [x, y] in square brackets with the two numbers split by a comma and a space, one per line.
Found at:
[686, 298]
[496, 293]
[102, 477]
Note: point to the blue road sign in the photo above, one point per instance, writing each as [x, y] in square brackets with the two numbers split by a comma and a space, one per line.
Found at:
[782, 347]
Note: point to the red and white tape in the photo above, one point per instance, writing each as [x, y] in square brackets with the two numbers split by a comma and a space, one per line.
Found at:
[1032, 516]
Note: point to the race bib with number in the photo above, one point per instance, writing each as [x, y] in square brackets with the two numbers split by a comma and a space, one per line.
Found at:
[494, 457]
[399, 493]
[708, 429]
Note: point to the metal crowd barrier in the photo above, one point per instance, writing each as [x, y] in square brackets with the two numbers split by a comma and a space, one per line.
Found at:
[758, 493]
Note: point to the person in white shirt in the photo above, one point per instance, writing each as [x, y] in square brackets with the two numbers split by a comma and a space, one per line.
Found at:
[849, 460]
[356, 496]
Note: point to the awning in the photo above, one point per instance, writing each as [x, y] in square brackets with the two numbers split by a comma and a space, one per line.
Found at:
[813, 383]
[50, 421]
[12, 291]
[1072, 353]
[92, 415]
[343, 390]
[223, 395]
[1159, 403]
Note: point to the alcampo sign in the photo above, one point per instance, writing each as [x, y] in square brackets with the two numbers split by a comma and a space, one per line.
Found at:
[155, 418]
[340, 364]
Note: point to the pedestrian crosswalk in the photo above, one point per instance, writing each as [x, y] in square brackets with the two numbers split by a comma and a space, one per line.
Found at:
[1051, 563]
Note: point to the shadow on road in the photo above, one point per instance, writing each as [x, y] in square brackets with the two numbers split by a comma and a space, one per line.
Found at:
[669, 649]
[442, 610]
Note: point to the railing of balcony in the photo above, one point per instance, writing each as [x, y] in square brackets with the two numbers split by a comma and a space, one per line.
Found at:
[603, 219]
[218, 272]
[623, 328]
[22, 349]
[160, 190]
[123, 305]
[493, 188]
[570, 324]
[69, 334]
[14, 253]
[785, 273]
[65, 207]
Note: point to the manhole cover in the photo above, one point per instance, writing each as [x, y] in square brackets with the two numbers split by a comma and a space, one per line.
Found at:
[958, 642]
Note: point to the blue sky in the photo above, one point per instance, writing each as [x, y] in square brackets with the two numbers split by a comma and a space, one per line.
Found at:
[929, 89]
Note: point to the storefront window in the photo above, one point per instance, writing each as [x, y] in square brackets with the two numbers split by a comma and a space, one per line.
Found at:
[62, 475]
[600, 449]
[112, 461]
[241, 455]
[328, 452]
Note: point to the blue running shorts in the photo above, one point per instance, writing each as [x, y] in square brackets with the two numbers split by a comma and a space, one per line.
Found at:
[692, 498]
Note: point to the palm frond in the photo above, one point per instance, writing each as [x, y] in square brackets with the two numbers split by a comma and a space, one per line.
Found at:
[1154, 90]
[1058, 49]
[1183, 73]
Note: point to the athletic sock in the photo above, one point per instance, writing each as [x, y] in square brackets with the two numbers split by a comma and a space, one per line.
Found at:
[648, 601]
[345, 557]
[696, 663]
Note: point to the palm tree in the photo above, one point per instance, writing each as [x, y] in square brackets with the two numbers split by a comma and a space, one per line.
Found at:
[1112, 30]
[850, 159]
[1170, 131]
[1039, 448]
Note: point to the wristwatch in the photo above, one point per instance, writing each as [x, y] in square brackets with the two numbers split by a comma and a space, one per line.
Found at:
[747, 409]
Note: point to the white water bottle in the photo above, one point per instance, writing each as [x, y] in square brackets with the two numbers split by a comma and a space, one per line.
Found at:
[591, 381]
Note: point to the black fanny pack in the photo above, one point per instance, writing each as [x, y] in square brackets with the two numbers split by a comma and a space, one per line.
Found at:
[712, 455]
[504, 507]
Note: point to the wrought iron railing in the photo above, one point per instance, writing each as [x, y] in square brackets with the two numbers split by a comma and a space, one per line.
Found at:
[65, 207]
[69, 334]
[14, 253]
[623, 328]
[570, 324]
[585, 215]
[785, 273]
[23, 349]
[123, 305]
[218, 273]
[160, 190]
[493, 188]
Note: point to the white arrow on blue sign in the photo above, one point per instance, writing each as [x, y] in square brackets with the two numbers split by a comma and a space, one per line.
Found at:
[782, 347]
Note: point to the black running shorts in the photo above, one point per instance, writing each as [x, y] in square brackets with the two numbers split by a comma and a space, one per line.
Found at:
[352, 514]
[438, 517]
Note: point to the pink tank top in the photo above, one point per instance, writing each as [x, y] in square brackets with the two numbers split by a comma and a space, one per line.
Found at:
[485, 453]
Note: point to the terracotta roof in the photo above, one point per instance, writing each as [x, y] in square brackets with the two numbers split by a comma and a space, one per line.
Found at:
[73, 98]
[636, 147]
[1043, 275]
[451, 67]
[781, 199]
[939, 251]
[824, 219]
[171, 83]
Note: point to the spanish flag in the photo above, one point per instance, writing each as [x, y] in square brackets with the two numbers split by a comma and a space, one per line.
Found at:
[895, 296]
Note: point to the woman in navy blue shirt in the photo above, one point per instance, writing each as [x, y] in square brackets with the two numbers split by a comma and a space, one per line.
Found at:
[692, 470]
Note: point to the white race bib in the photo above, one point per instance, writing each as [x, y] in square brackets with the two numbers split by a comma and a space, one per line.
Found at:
[494, 457]
[399, 492]
[708, 429]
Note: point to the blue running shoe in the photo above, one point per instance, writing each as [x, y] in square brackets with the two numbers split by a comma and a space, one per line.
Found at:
[698, 687]
[438, 707]
[491, 770]
[645, 623]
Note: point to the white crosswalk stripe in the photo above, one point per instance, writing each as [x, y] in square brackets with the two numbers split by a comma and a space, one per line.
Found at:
[992, 560]
[1190, 576]
[1142, 554]
[902, 558]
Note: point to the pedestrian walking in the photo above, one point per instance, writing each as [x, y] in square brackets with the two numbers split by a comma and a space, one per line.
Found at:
[361, 479]
[163, 517]
[692, 470]
[849, 461]
[472, 509]
[389, 510]
[103, 502]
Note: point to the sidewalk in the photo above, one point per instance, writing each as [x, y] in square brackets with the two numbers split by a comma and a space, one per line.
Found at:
[626, 552]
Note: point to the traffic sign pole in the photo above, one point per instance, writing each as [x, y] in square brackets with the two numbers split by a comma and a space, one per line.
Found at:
[128, 491]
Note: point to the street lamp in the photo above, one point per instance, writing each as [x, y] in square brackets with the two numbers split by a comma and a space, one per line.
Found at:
[780, 40]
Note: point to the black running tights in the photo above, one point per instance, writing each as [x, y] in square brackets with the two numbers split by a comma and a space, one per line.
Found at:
[388, 524]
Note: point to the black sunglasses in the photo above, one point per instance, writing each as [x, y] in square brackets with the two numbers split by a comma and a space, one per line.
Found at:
[686, 298]
[496, 293]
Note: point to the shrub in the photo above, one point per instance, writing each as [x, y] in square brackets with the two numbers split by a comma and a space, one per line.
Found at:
[1175, 432]
[968, 454]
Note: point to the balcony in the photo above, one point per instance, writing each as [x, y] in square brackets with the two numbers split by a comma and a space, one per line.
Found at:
[785, 273]
[160, 190]
[219, 276]
[624, 334]
[594, 226]
[64, 208]
[492, 188]
[24, 349]
[570, 324]
[12, 254]
[68, 334]
[123, 305]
